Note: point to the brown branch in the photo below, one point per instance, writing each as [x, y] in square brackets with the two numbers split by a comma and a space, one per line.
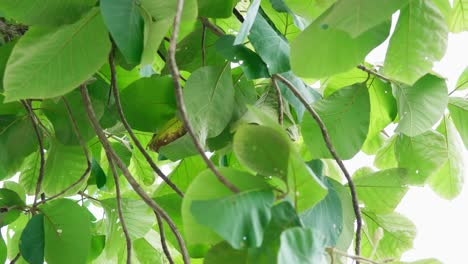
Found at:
[83, 146]
[180, 99]
[115, 91]
[111, 154]
[280, 101]
[326, 137]
[163, 239]
[40, 177]
[214, 28]
[118, 199]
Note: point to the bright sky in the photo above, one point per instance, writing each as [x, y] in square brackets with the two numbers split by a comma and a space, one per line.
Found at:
[442, 225]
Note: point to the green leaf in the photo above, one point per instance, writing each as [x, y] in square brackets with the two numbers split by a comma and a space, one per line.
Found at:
[358, 16]
[305, 189]
[252, 65]
[420, 106]
[240, 219]
[98, 174]
[459, 112]
[67, 232]
[283, 216]
[5, 52]
[56, 113]
[390, 184]
[421, 155]
[270, 45]
[46, 13]
[11, 205]
[32, 240]
[224, 253]
[458, 18]
[207, 187]
[3, 250]
[337, 81]
[125, 23]
[424, 261]
[398, 235]
[420, 38]
[63, 167]
[462, 82]
[139, 166]
[249, 20]
[209, 99]
[18, 140]
[448, 181]
[348, 109]
[162, 10]
[385, 157]
[301, 246]
[149, 103]
[262, 149]
[153, 34]
[42, 58]
[309, 9]
[310, 51]
[216, 8]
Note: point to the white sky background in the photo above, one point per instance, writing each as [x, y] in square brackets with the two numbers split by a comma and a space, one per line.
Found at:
[441, 224]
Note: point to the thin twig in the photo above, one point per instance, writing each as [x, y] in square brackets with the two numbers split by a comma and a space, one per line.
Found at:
[214, 28]
[40, 178]
[83, 146]
[203, 45]
[118, 199]
[372, 72]
[280, 101]
[163, 239]
[111, 154]
[180, 99]
[115, 91]
[326, 137]
[89, 197]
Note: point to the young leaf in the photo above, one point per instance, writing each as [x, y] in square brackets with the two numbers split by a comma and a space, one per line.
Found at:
[420, 38]
[420, 106]
[32, 240]
[42, 60]
[125, 23]
[347, 109]
[458, 18]
[462, 82]
[67, 232]
[459, 112]
[385, 157]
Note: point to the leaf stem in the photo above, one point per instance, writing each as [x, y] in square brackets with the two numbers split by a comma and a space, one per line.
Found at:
[180, 97]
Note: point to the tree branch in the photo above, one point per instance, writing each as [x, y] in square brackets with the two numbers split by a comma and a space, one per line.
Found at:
[280, 101]
[372, 72]
[238, 15]
[163, 239]
[180, 98]
[326, 137]
[111, 154]
[115, 91]
[214, 28]
[40, 178]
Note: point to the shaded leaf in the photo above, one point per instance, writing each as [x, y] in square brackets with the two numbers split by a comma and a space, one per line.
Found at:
[32, 240]
[302, 246]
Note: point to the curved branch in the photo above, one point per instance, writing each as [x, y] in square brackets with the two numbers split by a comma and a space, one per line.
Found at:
[214, 28]
[326, 137]
[111, 154]
[115, 91]
[40, 178]
[163, 239]
[180, 99]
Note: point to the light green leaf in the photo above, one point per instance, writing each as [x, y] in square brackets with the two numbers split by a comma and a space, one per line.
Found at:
[421, 155]
[458, 18]
[240, 218]
[337, 81]
[125, 23]
[462, 82]
[309, 9]
[207, 187]
[346, 115]
[32, 240]
[162, 9]
[459, 112]
[420, 38]
[270, 45]
[385, 157]
[46, 13]
[305, 188]
[382, 191]
[302, 246]
[209, 99]
[358, 16]
[63, 167]
[67, 232]
[154, 35]
[319, 51]
[149, 103]
[216, 8]
[420, 106]
[42, 60]
[249, 20]
[5, 52]
[262, 149]
[398, 235]
[424, 261]
[3, 250]
[448, 181]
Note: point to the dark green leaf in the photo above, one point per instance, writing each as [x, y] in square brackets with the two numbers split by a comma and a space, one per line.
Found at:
[249, 20]
[32, 240]
[216, 8]
[302, 246]
[224, 253]
[11, 205]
